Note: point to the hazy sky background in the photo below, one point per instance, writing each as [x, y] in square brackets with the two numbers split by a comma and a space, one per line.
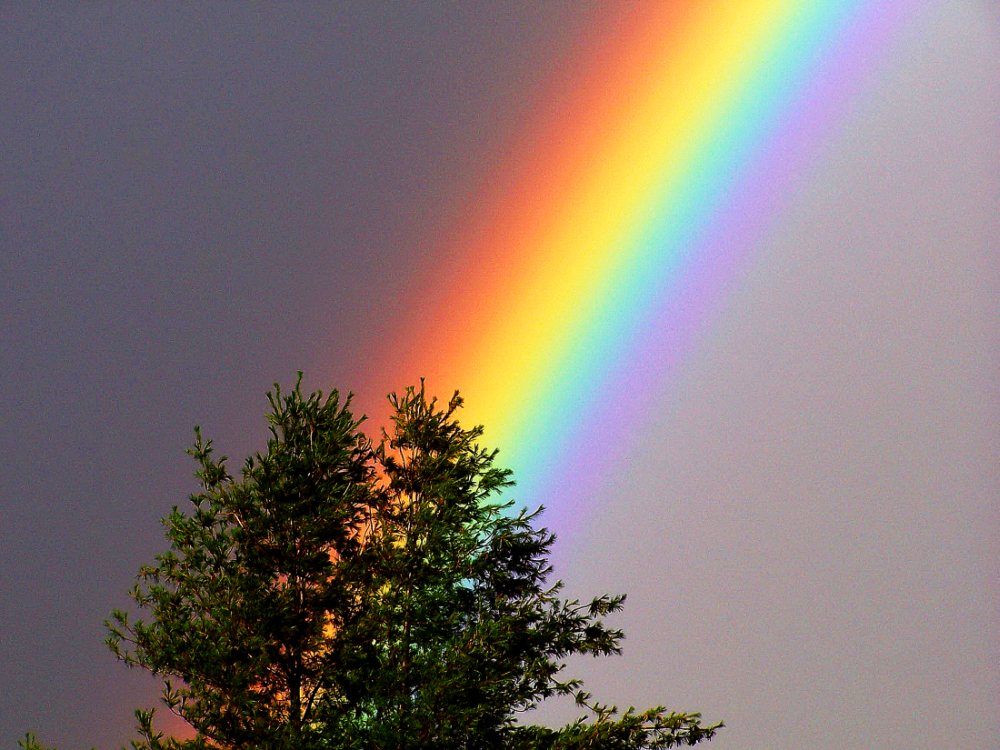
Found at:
[196, 201]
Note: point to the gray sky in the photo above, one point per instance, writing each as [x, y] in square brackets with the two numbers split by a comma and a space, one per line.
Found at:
[197, 201]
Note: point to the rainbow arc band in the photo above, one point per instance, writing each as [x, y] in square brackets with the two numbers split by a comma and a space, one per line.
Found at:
[627, 211]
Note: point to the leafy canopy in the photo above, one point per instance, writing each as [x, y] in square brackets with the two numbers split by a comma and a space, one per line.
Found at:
[345, 594]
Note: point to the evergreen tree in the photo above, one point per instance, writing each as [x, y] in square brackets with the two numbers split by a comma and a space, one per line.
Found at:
[344, 595]
[241, 606]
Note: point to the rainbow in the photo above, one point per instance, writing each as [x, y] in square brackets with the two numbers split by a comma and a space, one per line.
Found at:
[587, 268]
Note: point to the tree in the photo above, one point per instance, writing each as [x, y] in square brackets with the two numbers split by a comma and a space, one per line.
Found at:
[243, 603]
[345, 594]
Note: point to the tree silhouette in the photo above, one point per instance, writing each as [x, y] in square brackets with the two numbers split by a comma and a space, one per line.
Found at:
[344, 593]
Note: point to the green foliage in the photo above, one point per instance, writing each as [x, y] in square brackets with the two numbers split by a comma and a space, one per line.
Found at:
[241, 604]
[344, 595]
[30, 742]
